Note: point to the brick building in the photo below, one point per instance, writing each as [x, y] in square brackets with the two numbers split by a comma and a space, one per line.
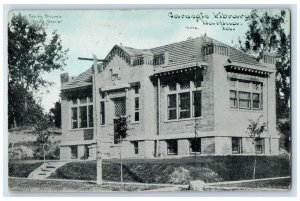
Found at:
[192, 97]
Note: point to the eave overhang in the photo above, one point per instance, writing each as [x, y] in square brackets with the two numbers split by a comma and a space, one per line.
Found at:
[76, 87]
[178, 69]
[248, 69]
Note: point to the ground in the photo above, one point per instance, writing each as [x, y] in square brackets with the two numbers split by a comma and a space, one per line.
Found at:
[26, 185]
[29, 185]
[268, 184]
[210, 169]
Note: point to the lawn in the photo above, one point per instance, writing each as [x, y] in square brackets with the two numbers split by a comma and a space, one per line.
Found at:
[26, 185]
[181, 170]
[22, 168]
[273, 184]
[265, 185]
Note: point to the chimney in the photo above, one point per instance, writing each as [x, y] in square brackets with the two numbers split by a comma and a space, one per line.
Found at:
[268, 59]
[167, 58]
[64, 78]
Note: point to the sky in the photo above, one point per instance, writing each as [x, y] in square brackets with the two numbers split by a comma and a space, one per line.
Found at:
[88, 32]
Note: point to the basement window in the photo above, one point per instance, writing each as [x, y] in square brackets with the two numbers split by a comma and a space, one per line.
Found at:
[136, 147]
[74, 152]
[236, 145]
[172, 147]
[195, 145]
[102, 112]
[259, 146]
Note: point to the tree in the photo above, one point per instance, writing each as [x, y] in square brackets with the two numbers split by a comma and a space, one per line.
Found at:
[44, 147]
[31, 52]
[267, 33]
[284, 127]
[254, 130]
[55, 114]
[22, 107]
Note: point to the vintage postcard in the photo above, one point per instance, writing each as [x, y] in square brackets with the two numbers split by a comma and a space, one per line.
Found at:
[149, 100]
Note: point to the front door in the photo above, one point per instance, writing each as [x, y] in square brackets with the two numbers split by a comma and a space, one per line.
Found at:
[120, 111]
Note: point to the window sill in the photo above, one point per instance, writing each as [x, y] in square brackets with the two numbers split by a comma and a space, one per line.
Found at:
[169, 154]
[245, 109]
[135, 122]
[195, 153]
[186, 119]
[79, 129]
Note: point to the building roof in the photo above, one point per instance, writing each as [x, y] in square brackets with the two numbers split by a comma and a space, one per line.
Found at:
[135, 52]
[190, 51]
[180, 53]
[84, 79]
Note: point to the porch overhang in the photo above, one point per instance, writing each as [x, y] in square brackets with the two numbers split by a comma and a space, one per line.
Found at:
[249, 69]
[179, 69]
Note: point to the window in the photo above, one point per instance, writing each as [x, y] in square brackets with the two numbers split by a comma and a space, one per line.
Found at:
[91, 118]
[244, 100]
[74, 101]
[184, 105]
[172, 86]
[195, 145]
[90, 99]
[136, 109]
[245, 85]
[184, 84]
[172, 107]
[82, 114]
[232, 82]
[74, 117]
[135, 102]
[159, 59]
[245, 94]
[172, 147]
[120, 107]
[74, 152]
[256, 101]
[136, 147]
[259, 146]
[198, 79]
[138, 61]
[83, 100]
[197, 103]
[183, 99]
[102, 112]
[233, 99]
[236, 145]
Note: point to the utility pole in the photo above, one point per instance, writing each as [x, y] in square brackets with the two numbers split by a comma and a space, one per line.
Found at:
[98, 140]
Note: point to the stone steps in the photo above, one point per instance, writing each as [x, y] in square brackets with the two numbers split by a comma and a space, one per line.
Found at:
[45, 170]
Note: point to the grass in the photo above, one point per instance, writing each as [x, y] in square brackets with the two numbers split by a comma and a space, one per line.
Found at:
[273, 184]
[181, 170]
[18, 169]
[26, 185]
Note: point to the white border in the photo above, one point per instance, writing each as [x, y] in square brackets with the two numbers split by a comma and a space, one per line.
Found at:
[20, 4]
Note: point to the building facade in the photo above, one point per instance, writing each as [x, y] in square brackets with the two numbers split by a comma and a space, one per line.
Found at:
[194, 97]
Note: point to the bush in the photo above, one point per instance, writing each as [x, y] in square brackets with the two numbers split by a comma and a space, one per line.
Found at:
[208, 169]
[285, 135]
[51, 151]
[20, 152]
[22, 169]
